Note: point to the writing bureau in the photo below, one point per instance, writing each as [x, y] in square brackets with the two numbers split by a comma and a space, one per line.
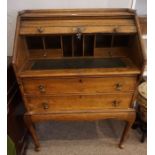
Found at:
[74, 65]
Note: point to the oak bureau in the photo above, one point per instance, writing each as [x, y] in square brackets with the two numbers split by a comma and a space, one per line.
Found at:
[82, 64]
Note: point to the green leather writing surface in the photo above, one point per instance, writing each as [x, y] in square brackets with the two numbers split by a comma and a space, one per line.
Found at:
[78, 63]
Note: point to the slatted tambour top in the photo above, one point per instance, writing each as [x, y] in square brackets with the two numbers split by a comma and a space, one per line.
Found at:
[76, 33]
[68, 21]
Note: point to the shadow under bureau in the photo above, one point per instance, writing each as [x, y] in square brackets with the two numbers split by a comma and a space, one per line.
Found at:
[74, 65]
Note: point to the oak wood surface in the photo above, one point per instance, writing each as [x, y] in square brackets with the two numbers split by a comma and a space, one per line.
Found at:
[143, 24]
[70, 30]
[86, 22]
[78, 85]
[44, 13]
[79, 102]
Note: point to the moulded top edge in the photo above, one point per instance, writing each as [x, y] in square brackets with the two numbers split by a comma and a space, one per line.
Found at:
[76, 12]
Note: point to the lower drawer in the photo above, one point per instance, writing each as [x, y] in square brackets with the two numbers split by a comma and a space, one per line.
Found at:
[78, 102]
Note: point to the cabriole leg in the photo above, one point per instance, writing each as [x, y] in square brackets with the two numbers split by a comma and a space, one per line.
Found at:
[32, 131]
[128, 125]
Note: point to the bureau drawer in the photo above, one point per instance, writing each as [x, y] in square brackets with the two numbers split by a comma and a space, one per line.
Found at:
[78, 85]
[75, 26]
[78, 102]
[73, 30]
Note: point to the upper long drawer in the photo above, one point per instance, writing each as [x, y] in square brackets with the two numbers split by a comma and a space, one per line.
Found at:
[78, 85]
[29, 27]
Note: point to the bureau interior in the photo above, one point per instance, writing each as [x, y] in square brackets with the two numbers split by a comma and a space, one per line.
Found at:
[101, 50]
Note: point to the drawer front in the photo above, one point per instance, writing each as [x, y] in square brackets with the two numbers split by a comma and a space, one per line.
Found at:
[78, 85]
[78, 102]
[73, 30]
[46, 30]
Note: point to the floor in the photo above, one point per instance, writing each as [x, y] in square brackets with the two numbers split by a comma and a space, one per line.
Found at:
[86, 138]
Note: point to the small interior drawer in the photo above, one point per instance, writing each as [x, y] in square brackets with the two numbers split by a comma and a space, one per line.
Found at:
[74, 30]
[45, 30]
[78, 102]
[35, 86]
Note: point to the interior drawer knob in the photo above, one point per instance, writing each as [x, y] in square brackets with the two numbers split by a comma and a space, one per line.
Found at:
[80, 96]
[42, 88]
[118, 86]
[115, 29]
[80, 81]
[78, 32]
[115, 103]
[45, 105]
[40, 29]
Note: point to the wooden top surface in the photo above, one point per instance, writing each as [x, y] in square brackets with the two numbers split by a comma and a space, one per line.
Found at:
[76, 13]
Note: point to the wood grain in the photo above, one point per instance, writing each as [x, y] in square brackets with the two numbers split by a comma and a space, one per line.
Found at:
[78, 85]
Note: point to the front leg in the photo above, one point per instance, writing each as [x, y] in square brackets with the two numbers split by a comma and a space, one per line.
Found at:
[32, 131]
[129, 123]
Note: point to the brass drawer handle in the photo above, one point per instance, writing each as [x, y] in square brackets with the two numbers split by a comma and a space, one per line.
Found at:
[118, 86]
[80, 81]
[78, 32]
[115, 103]
[80, 96]
[42, 88]
[40, 29]
[115, 29]
[45, 105]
